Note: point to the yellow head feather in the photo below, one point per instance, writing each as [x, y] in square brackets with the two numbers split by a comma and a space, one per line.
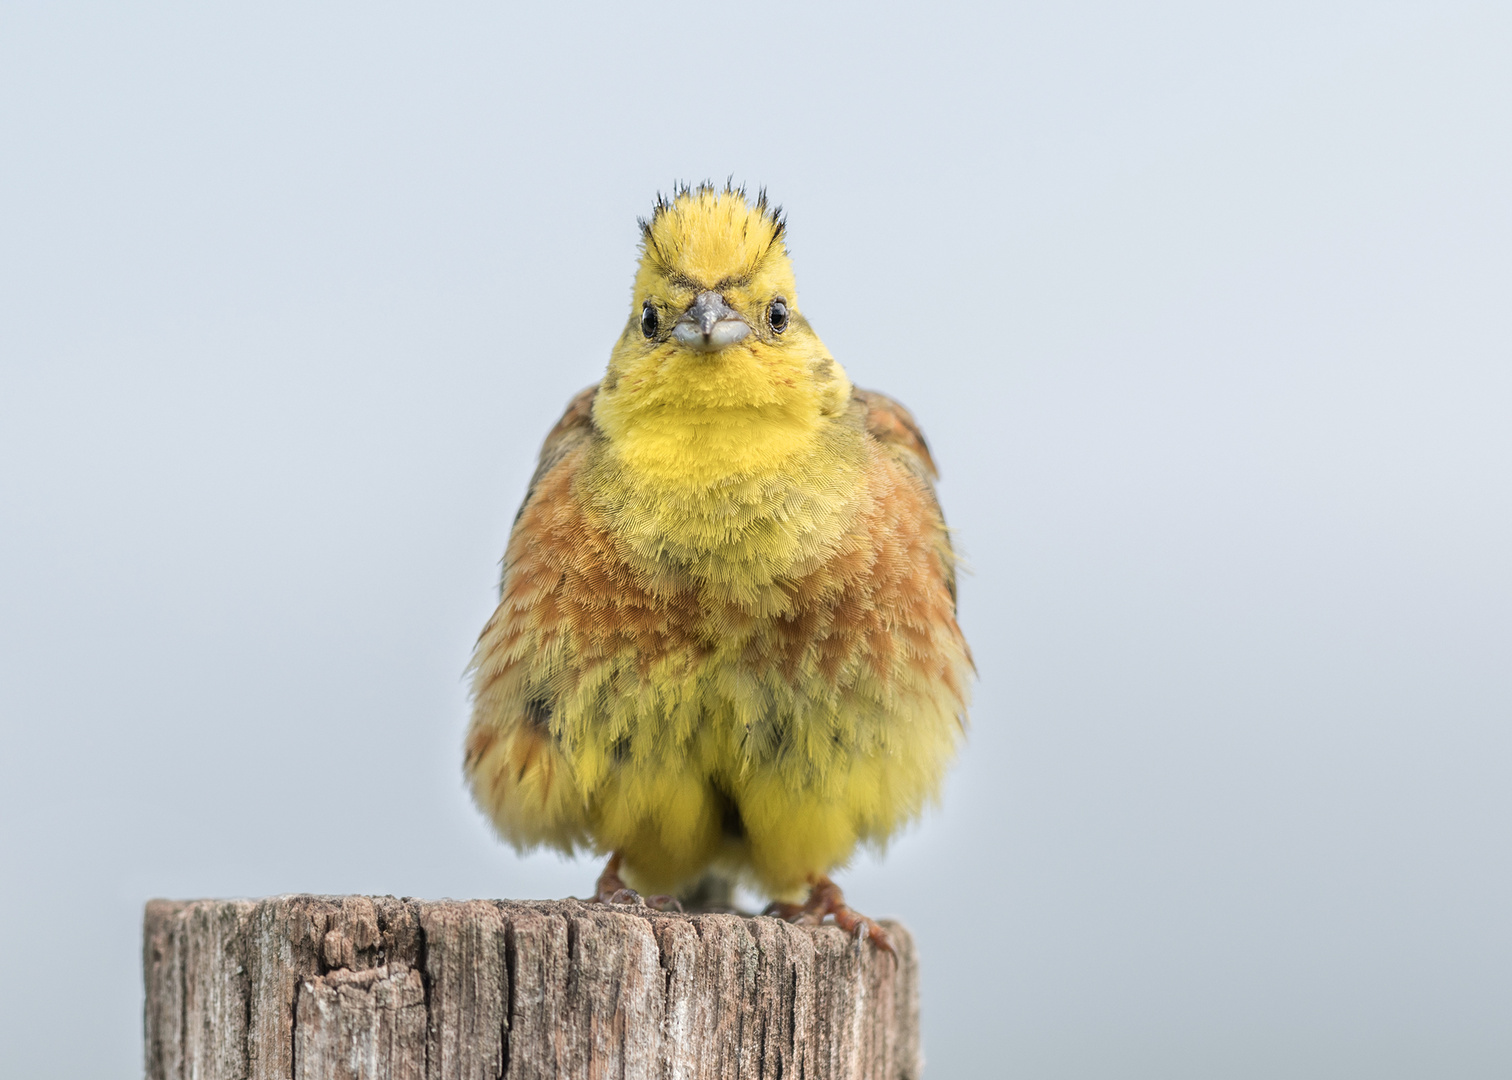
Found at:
[694, 417]
[710, 238]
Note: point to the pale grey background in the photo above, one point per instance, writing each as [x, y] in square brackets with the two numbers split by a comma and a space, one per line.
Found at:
[1205, 308]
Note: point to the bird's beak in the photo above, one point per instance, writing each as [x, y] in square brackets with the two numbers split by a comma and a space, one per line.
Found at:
[710, 324]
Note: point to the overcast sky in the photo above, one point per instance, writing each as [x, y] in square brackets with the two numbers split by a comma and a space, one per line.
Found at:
[1205, 308]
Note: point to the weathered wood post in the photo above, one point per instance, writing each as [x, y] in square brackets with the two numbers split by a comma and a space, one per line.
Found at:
[379, 988]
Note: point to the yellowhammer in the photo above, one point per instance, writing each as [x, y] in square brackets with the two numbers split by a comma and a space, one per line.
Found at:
[726, 646]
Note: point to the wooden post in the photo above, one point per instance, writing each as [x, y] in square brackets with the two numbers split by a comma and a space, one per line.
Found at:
[378, 988]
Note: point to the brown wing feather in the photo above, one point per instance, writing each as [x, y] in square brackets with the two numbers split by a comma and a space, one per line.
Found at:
[515, 768]
[575, 425]
[895, 428]
[572, 429]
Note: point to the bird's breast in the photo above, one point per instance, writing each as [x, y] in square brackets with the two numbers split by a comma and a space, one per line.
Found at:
[739, 536]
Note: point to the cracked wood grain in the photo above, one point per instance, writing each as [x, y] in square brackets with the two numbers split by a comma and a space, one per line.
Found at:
[361, 1025]
[379, 988]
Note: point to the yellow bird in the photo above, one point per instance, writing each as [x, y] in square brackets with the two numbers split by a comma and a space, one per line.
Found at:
[726, 645]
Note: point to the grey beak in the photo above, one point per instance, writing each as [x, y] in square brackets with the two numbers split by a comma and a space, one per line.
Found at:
[710, 324]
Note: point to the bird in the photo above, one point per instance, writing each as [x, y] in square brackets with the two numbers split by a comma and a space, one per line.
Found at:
[725, 648]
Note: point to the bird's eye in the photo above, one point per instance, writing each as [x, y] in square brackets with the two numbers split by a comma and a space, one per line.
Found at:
[777, 315]
[648, 319]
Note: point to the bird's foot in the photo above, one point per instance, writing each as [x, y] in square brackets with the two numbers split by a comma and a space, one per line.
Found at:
[824, 899]
[611, 889]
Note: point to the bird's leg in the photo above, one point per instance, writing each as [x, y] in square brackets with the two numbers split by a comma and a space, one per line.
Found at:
[611, 889]
[825, 898]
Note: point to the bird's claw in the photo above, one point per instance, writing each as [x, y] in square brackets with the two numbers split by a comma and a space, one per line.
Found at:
[826, 899]
[611, 889]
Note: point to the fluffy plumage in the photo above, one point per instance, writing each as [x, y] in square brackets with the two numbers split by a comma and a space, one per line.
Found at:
[726, 635]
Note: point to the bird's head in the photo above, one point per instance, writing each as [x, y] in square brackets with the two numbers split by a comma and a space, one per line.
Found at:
[715, 348]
